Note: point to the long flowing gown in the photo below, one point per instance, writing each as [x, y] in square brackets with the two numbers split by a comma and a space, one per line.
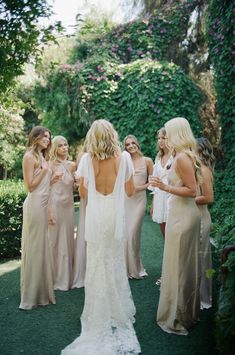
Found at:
[61, 234]
[36, 272]
[135, 210]
[79, 269]
[108, 314]
[205, 258]
[159, 196]
[179, 303]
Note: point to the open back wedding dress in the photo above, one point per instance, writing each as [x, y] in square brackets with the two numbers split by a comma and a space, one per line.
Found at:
[108, 314]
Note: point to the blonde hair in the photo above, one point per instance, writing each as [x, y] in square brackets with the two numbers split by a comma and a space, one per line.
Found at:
[205, 152]
[161, 153]
[131, 136]
[102, 140]
[54, 146]
[181, 139]
[35, 135]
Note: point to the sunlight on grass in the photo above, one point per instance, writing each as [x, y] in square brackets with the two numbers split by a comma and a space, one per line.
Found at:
[9, 266]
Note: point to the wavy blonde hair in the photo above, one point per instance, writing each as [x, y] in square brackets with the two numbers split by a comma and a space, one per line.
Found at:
[54, 146]
[35, 135]
[161, 153]
[181, 139]
[102, 140]
[131, 136]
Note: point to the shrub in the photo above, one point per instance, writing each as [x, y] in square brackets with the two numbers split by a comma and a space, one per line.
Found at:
[12, 195]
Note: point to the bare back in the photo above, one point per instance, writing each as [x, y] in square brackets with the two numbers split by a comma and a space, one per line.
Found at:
[105, 174]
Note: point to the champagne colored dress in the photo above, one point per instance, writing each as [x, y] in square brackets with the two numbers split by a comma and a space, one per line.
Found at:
[79, 269]
[159, 196]
[36, 271]
[135, 210]
[108, 313]
[179, 303]
[61, 234]
[205, 258]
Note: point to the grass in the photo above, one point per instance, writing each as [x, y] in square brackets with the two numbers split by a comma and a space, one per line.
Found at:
[47, 330]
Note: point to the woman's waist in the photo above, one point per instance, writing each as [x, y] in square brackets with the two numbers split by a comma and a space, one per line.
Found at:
[180, 201]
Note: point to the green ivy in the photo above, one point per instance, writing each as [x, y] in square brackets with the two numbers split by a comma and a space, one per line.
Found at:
[156, 37]
[138, 98]
[220, 39]
[220, 30]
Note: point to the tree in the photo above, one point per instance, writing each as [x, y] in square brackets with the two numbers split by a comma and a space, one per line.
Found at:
[21, 35]
[12, 141]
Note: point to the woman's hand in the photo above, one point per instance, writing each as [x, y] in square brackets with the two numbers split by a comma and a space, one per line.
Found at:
[51, 219]
[57, 176]
[156, 182]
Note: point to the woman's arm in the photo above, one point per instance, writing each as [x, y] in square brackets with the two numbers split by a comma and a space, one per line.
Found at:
[82, 189]
[207, 194]
[28, 164]
[130, 187]
[149, 164]
[184, 169]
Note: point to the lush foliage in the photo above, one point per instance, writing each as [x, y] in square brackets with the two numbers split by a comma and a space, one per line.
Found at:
[138, 98]
[12, 195]
[20, 35]
[121, 74]
[224, 233]
[11, 133]
[221, 42]
[220, 36]
[156, 37]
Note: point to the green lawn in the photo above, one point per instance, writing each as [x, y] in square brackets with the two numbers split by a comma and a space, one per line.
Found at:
[47, 330]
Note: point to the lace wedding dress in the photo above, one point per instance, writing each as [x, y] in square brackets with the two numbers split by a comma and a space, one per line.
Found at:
[108, 314]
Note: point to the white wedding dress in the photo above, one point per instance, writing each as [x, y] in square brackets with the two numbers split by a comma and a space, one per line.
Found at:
[108, 314]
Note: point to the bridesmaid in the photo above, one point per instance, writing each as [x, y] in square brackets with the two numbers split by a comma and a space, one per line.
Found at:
[79, 269]
[205, 197]
[179, 302]
[135, 207]
[36, 272]
[161, 167]
[61, 215]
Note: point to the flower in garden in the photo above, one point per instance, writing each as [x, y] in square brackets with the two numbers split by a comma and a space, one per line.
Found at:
[65, 67]
[114, 48]
[102, 77]
[92, 77]
[118, 74]
[163, 30]
[78, 65]
[161, 98]
[139, 52]
[100, 69]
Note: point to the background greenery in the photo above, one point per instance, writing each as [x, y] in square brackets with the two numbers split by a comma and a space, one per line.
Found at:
[138, 75]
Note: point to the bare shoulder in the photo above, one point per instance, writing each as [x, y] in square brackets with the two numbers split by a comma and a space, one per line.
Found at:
[29, 157]
[148, 161]
[72, 165]
[183, 158]
[183, 162]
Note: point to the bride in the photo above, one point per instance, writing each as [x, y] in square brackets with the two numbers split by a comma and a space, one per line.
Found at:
[105, 175]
